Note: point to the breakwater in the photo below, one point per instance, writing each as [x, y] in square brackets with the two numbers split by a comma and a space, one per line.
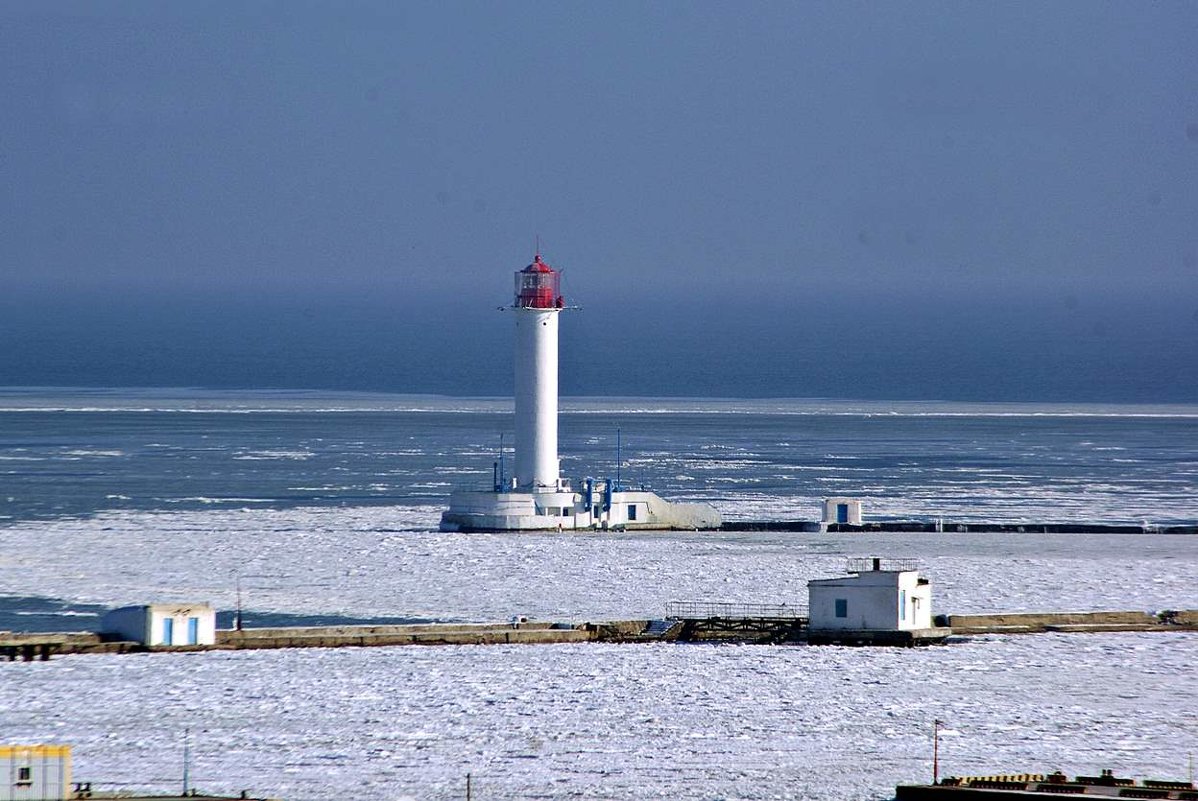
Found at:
[42, 646]
[948, 526]
[1079, 622]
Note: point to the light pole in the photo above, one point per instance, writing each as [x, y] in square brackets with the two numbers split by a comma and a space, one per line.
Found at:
[936, 724]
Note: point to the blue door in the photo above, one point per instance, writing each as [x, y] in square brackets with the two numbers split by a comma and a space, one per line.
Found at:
[842, 513]
[168, 631]
[193, 631]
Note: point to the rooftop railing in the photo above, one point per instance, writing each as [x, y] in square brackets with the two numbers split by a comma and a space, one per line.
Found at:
[867, 564]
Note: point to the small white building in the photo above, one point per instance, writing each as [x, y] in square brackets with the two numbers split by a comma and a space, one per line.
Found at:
[35, 772]
[162, 624]
[878, 596]
[841, 510]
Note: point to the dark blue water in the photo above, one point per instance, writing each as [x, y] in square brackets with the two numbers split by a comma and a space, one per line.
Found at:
[72, 454]
[622, 343]
[38, 613]
[114, 455]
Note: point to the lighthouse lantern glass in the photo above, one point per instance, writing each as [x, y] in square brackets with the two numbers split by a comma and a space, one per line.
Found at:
[538, 289]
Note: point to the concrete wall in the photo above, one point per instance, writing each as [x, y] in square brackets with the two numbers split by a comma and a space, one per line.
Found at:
[421, 634]
[517, 511]
[654, 512]
[918, 599]
[35, 772]
[1030, 622]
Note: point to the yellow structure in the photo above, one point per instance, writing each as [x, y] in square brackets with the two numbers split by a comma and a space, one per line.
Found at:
[35, 772]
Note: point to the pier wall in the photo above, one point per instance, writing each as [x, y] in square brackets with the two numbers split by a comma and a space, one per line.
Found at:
[42, 646]
[951, 527]
[1033, 622]
[420, 634]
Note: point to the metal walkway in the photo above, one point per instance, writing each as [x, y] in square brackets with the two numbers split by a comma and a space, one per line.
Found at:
[737, 622]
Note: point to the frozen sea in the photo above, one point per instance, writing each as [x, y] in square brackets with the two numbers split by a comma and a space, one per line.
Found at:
[324, 506]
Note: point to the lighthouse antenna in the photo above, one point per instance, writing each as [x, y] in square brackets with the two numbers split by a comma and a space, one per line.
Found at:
[619, 459]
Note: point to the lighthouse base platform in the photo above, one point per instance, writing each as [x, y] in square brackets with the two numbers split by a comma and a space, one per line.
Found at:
[565, 510]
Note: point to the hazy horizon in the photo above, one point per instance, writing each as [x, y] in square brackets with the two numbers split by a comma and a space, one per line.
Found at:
[981, 202]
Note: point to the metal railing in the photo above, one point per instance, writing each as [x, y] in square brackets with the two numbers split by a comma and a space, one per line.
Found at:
[707, 610]
[866, 564]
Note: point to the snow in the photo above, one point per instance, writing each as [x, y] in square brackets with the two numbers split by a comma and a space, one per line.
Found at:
[612, 721]
[375, 561]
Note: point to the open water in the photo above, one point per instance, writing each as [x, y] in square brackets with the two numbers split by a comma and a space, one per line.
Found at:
[324, 507]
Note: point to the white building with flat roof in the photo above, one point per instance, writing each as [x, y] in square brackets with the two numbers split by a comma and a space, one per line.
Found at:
[162, 624]
[842, 511]
[878, 595]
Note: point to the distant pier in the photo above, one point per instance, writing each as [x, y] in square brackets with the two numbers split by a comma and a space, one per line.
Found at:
[946, 526]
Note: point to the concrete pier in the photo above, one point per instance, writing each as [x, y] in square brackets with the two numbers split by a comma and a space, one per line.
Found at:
[947, 526]
[746, 623]
[421, 634]
[1075, 622]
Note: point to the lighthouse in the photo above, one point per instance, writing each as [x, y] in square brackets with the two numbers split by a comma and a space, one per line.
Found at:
[537, 306]
[537, 498]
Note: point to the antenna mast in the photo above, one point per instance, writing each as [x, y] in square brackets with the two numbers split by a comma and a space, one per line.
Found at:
[502, 481]
[619, 459]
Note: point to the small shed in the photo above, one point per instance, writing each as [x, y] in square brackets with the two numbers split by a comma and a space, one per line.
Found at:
[35, 772]
[878, 595]
[162, 624]
[842, 510]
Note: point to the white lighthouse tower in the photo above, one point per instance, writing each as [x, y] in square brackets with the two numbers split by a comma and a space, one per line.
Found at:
[537, 498]
[538, 302]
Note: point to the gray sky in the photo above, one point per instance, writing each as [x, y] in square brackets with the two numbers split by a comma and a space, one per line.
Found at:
[800, 152]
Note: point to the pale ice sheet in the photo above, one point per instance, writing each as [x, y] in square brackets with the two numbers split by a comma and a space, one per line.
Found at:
[376, 561]
[611, 721]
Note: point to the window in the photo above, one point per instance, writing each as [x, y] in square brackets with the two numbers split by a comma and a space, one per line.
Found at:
[902, 604]
[24, 775]
[632, 511]
[842, 607]
[595, 511]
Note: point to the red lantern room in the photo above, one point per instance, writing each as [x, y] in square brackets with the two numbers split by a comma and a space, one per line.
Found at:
[538, 286]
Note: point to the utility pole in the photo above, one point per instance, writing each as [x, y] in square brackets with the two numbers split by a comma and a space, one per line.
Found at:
[237, 616]
[186, 760]
[936, 724]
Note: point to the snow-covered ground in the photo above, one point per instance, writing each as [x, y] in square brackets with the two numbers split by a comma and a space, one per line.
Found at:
[610, 721]
[589, 721]
[373, 561]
